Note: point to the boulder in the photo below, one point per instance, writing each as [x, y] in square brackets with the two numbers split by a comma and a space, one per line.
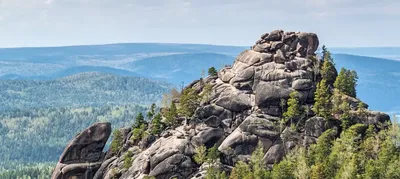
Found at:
[84, 155]
[267, 94]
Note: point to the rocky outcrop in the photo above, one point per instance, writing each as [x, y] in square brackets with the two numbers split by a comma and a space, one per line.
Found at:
[243, 109]
[84, 155]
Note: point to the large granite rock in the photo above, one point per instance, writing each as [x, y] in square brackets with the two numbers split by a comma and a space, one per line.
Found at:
[84, 155]
[243, 109]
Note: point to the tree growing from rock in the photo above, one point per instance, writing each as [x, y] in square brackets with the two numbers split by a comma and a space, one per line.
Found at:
[117, 141]
[346, 82]
[156, 125]
[255, 169]
[139, 120]
[212, 71]
[201, 155]
[294, 109]
[322, 105]
[189, 101]
[171, 116]
[151, 112]
[328, 70]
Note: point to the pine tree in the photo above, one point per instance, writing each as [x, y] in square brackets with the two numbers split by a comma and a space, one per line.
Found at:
[117, 141]
[201, 155]
[328, 70]
[139, 120]
[345, 115]
[322, 105]
[213, 154]
[171, 116]
[257, 163]
[294, 109]
[151, 112]
[241, 171]
[212, 71]
[189, 101]
[324, 51]
[156, 124]
[346, 82]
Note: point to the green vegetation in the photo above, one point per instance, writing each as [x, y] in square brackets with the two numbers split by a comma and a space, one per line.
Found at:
[171, 116]
[328, 70]
[359, 152]
[128, 159]
[212, 71]
[294, 110]
[40, 135]
[346, 82]
[117, 141]
[37, 171]
[157, 125]
[322, 105]
[83, 90]
[201, 155]
[189, 101]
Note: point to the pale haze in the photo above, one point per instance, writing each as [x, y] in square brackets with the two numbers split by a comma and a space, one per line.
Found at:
[339, 23]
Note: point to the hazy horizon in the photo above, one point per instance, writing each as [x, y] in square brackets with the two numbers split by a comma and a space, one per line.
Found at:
[338, 23]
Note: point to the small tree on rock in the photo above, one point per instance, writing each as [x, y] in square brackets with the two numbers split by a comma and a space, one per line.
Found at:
[189, 101]
[212, 71]
[322, 105]
[328, 70]
[294, 108]
[117, 141]
[346, 82]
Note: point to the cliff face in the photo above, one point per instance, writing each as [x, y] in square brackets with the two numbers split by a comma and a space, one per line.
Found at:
[243, 109]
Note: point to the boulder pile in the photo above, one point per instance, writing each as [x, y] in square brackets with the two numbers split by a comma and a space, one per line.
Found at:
[244, 108]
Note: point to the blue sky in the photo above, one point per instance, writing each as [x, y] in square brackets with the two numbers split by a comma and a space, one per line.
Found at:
[338, 23]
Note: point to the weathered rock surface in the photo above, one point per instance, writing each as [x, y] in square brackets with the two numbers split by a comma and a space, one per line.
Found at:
[84, 155]
[244, 109]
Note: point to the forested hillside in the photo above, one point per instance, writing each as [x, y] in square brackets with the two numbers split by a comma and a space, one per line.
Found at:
[39, 135]
[82, 90]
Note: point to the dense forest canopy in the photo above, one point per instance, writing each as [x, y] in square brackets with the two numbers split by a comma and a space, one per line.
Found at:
[82, 90]
[40, 135]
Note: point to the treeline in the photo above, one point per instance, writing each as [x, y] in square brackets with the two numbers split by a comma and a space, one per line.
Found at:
[360, 152]
[38, 171]
[40, 135]
[82, 90]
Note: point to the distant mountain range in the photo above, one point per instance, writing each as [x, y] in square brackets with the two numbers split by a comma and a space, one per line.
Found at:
[182, 63]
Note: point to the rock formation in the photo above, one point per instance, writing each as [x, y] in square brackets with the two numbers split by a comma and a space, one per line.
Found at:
[244, 108]
[84, 155]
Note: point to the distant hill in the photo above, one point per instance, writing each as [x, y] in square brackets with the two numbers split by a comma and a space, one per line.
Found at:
[177, 63]
[84, 89]
[180, 67]
[378, 52]
[119, 59]
[379, 80]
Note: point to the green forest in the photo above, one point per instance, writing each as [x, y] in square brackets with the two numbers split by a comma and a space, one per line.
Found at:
[81, 90]
[40, 135]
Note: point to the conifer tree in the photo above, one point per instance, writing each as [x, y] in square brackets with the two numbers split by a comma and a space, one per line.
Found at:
[328, 70]
[139, 120]
[346, 82]
[151, 112]
[189, 101]
[156, 124]
[171, 117]
[117, 141]
[212, 71]
[294, 109]
[201, 155]
[322, 105]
